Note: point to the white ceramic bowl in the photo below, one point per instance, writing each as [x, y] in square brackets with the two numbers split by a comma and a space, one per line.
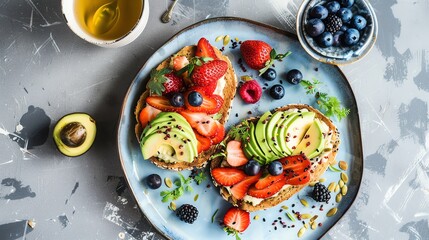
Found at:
[68, 9]
[344, 54]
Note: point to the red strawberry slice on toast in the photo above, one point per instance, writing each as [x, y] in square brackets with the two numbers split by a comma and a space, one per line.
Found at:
[236, 219]
[235, 155]
[268, 180]
[206, 90]
[268, 191]
[239, 190]
[201, 122]
[211, 104]
[179, 62]
[296, 169]
[204, 143]
[220, 135]
[147, 114]
[163, 104]
[208, 73]
[205, 49]
[228, 176]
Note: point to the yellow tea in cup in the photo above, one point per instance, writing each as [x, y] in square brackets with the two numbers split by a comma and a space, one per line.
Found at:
[107, 19]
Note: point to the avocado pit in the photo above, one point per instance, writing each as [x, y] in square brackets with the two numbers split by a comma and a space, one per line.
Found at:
[73, 134]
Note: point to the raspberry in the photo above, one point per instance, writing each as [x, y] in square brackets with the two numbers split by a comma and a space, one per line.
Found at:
[250, 91]
[187, 213]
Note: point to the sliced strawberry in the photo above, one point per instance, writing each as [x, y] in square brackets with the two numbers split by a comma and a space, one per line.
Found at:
[205, 49]
[235, 155]
[204, 143]
[236, 219]
[206, 90]
[268, 180]
[228, 176]
[239, 190]
[268, 191]
[220, 134]
[208, 73]
[163, 104]
[179, 62]
[147, 114]
[211, 104]
[201, 122]
[296, 169]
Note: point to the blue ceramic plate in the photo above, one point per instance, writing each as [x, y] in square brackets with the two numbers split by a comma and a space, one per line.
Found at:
[209, 201]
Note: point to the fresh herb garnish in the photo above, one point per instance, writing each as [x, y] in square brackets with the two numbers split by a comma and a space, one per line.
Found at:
[232, 232]
[195, 61]
[200, 177]
[157, 80]
[214, 215]
[241, 131]
[273, 56]
[182, 185]
[330, 105]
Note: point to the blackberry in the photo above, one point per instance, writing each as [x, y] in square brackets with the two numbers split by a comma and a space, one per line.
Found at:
[187, 213]
[333, 23]
[321, 193]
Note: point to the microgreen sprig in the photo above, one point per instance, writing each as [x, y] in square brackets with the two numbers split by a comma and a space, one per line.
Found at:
[195, 61]
[182, 186]
[273, 56]
[233, 232]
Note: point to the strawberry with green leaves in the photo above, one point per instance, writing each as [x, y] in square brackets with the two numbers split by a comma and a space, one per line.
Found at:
[236, 221]
[259, 55]
[209, 73]
[163, 82]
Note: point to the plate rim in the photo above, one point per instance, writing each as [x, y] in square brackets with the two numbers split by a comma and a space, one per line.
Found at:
[263, 25]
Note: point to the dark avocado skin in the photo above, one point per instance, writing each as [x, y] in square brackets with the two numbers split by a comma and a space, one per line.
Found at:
[90, 126]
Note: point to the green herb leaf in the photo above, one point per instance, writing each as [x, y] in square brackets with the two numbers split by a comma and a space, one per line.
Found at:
[200, 177]
[241, 131]
[182, 185]
[290, 216]
[157, 80]
[214, 214]
[273, 56]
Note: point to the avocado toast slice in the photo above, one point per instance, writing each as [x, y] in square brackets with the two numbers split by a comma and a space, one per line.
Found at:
[319, 162]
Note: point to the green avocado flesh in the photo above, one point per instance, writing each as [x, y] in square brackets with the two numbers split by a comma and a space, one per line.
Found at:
[170, 138]
[285, 133]
[74, 134]
[313, 142]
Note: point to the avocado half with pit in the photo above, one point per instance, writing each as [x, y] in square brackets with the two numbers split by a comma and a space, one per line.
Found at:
[74, 134]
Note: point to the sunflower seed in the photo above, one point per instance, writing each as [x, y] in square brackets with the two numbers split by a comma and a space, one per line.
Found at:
[285, 207]
[305, 216]
[338, 197]
[304, 202]
[341, 183]
[313, 218]
[331, 212]
[314, 225]
[344, 177]
[226, 40]
[343, 165]
[331, 186]
[256, 217]
[301, 232]
[344, 190]
[218, 38]
[337, 188]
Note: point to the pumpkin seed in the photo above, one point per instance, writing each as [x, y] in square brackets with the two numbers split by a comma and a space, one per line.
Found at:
[226, 40]
[337, 188]
[285, 207]
[338, 197]
[304, 202]
[196, 198]
[172, 206]
[331, 212]
[343, 165]
[301, 232]
[344, 177]
[322, 180]
[314, 225]
[218, 38]
[313, 218]
[256, 217]
[168, 182]
[341, 183]
[344, 190]
[305, 216]
[331, 186]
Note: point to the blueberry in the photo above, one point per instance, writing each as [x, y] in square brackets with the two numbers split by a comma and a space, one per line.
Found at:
[153, 181]
[326, 40]
[345, 14]
[252, 167]
[270, 74]
[333, 6]
[294, 76]
[346, 3]
[338, 36]
[315, 27]
[319, 12]
[275, 168]
[195, 99]
[358, 22]
[344, 28]
[277, 91]
[351, 36]
[177, 100]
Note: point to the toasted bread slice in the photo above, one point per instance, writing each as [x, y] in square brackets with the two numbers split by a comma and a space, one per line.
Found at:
[319, 166]
[229, 89]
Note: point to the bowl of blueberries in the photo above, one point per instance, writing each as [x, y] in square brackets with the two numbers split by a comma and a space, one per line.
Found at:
[337, 31]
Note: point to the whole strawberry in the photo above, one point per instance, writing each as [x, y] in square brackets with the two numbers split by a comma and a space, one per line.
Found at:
[259, 55]
[208, 73]
[163, 82]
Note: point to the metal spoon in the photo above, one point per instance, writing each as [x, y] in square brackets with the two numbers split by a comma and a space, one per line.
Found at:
[166, 17]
